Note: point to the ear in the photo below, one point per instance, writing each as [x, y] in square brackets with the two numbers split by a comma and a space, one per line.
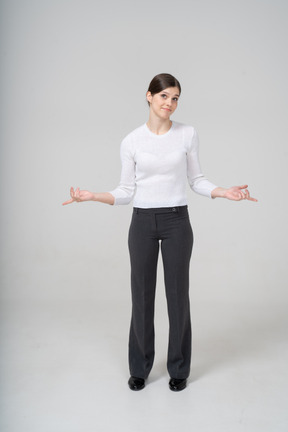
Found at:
[149, 97]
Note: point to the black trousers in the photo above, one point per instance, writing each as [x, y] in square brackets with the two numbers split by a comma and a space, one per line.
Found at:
[150, 228]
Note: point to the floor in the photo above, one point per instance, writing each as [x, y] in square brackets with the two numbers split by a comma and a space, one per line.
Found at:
[64, 369]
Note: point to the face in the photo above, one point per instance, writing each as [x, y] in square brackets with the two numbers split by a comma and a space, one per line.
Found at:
[163, 104]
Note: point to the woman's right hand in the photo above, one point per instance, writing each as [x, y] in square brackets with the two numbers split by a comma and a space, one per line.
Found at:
[79, 196]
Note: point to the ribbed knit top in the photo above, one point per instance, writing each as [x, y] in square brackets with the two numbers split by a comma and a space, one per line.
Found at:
[155, 168]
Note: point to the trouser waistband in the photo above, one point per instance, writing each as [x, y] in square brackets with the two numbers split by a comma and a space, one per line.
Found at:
[161, 210]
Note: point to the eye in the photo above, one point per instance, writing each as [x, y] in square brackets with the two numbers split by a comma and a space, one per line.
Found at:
[163, 96]
[175, 99]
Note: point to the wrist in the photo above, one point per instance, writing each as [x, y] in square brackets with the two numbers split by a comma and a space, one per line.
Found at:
[218, 192]
[95, 196]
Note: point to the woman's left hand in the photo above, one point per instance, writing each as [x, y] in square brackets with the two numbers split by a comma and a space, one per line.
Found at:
[235, 193]
[238, 193]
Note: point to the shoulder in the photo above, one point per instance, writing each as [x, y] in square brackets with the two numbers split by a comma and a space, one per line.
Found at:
[188, 133]
[187, 130]
[135, 134]
[128, 143]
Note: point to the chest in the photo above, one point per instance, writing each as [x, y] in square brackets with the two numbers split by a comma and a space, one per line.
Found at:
[161, 161]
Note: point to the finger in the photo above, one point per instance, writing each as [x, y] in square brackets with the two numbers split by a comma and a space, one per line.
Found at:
[77, 194]
[243, 187]
[248, 197]
[244, 194]
[68, 202]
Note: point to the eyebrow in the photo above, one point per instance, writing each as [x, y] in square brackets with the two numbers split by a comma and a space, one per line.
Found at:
[176, 94]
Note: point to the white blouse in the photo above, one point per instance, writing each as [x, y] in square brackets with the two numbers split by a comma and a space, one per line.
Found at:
[155, 168]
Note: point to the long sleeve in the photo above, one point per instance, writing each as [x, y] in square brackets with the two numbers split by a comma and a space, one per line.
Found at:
[155, 168]
[196, 179]
[124, 192]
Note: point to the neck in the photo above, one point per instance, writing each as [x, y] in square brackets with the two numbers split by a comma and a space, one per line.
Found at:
[158, 126]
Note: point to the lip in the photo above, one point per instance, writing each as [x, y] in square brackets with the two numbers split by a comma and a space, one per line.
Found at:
[166, 109]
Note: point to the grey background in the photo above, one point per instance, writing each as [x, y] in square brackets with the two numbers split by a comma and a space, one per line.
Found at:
[73, 80]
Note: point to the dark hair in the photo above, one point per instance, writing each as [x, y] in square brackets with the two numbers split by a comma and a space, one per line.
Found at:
[161, 82]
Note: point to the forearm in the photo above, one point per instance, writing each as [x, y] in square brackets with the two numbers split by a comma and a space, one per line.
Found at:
[103, 197]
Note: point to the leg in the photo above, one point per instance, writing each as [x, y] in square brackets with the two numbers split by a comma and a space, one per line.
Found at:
[176, 252]
[144, 249]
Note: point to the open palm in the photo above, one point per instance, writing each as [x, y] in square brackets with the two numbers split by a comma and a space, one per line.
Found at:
[238, 193]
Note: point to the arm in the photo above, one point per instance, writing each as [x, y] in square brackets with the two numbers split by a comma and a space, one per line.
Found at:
[123, 194]
[83, 195]
[196, 179]
[202, 186]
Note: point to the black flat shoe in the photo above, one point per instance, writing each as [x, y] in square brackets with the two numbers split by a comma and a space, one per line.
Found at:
[136, 383]
[177, 384]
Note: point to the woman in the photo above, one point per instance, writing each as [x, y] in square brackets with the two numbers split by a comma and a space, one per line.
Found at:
[157, 158]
